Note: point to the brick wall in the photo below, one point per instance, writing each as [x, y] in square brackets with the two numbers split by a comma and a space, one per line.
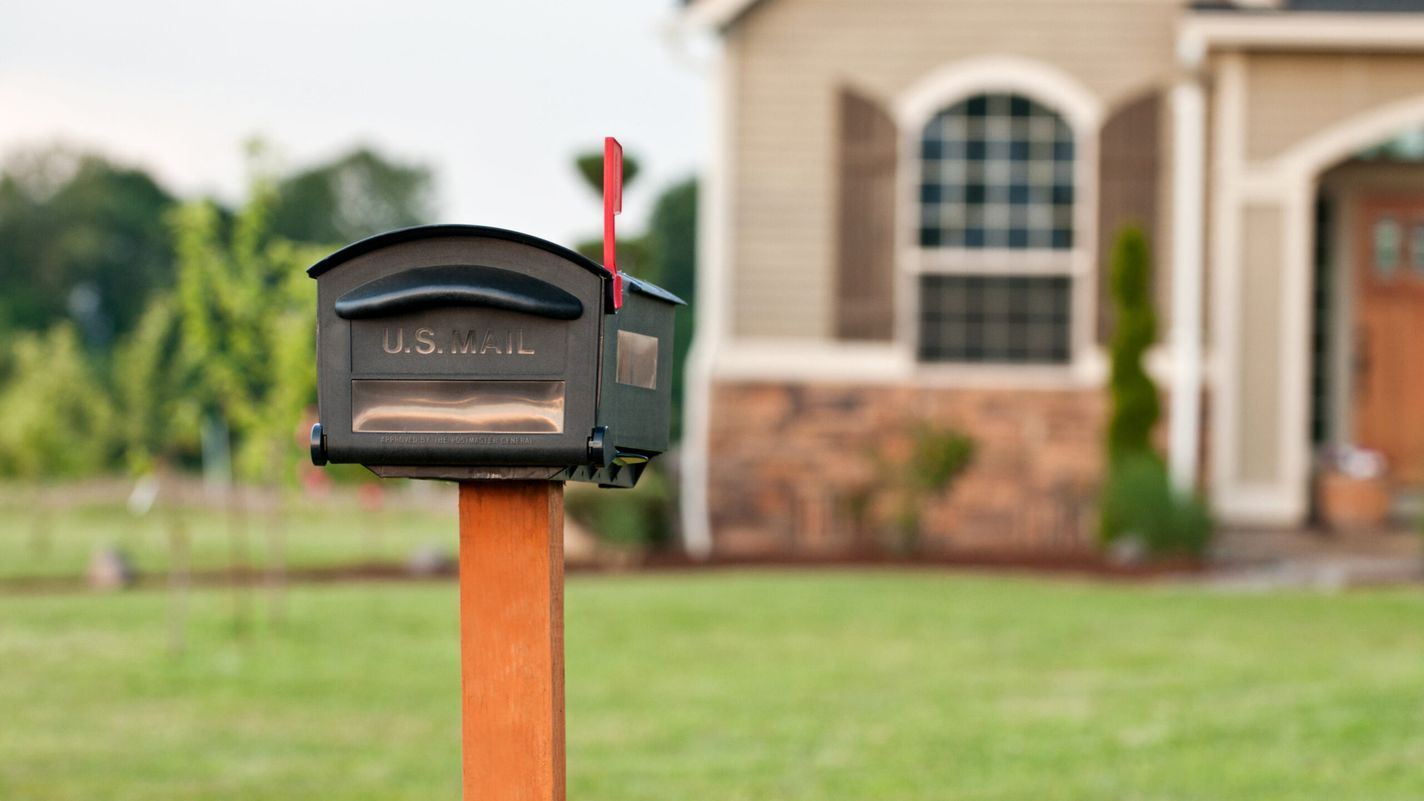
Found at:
[806, 468]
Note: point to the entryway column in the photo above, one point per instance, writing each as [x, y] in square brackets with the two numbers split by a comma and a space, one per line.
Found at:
[1188, 209]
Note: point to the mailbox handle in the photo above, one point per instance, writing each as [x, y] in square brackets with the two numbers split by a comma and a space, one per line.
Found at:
[458, 285]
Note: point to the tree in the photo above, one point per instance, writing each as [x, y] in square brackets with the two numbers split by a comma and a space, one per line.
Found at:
[246, 320]
[83, 238]
[1135, 404]
[351, 197]
[246, 315]
[158, 412]
[590, 168]
[632, 250]
[58, 421]
[671, 262]
[1138, 502]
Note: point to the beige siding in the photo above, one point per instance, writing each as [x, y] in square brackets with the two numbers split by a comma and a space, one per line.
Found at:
[790, 57]
[1258, 445]
[1130, 173]
[1294, 96]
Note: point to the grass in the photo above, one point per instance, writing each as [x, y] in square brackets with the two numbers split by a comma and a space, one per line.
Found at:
[738, 686]
[61, 541]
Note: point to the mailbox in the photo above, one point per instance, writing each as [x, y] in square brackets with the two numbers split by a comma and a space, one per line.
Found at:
[465, 352]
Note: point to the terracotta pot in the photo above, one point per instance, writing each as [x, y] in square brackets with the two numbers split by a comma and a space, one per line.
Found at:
[1353, 505]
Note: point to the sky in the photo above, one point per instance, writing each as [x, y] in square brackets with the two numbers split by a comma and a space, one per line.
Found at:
[496, 97]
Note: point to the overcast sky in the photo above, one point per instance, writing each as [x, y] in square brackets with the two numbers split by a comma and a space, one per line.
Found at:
[495, 96]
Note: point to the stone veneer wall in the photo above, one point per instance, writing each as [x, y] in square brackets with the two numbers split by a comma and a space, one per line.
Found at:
[802, 468]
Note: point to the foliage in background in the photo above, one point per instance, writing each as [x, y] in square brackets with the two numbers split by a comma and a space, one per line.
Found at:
[58, 420]
[246, 312]
[158, 418]
[625, 518]
[83, 238]
[590, 168]
[354, 196]
[671, 251]
[938, 456]
[1138, 500]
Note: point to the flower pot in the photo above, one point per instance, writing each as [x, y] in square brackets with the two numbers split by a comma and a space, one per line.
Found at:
[1350, 504]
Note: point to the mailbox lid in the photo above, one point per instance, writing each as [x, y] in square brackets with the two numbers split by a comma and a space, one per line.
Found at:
[417, 232]
[427, 232]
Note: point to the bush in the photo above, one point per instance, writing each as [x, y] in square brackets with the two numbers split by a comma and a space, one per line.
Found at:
[938, 457]
[1140, 505]
[1138, 500]
[624, 518]
[1135, 406]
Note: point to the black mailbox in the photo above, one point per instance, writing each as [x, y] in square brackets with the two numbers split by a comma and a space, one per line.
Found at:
[465, 352]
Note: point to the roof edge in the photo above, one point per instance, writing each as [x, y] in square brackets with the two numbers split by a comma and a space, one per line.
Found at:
[402, 235]
[716, 14]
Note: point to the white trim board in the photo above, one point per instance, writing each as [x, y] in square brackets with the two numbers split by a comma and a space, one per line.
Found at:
[1228, 148]
[716, 13]
[1045, 82]
[825, 361]
[714, 232]
[1297, 30]
[1188, 235]
[814, 361]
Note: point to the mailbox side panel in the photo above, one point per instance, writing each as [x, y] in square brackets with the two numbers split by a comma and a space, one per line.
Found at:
[636, 401]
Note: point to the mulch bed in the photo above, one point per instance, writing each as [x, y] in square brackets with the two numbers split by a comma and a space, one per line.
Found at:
[1084, 566]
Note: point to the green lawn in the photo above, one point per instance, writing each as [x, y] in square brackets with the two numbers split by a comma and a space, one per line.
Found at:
[890, 685]
[62, 541]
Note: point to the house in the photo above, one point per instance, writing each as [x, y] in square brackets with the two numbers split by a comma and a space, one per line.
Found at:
[908, 219]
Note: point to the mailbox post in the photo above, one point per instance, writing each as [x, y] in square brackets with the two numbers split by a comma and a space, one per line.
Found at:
[511, 365]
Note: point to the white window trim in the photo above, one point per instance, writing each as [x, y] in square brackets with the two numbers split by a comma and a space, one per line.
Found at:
[1083, 112]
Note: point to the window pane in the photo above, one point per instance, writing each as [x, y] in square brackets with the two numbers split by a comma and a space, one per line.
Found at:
[997, 169]
[995, 319]
[1416, 247]
[1386, 236]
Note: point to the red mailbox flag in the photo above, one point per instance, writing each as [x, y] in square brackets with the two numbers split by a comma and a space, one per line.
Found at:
[612, 206]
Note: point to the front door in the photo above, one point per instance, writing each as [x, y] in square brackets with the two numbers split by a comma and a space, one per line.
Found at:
[1389, 333]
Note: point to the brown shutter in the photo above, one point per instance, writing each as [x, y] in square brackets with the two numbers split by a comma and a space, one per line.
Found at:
[865, 223]
[1129, 159]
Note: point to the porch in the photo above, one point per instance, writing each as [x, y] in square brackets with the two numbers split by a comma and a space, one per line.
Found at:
[1269, 558]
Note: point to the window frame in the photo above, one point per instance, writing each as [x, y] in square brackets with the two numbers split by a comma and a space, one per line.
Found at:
[1083, 112]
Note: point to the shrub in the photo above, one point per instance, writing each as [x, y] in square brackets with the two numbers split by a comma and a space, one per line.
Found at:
[937, 458]
[1135, 405]
[1140, 504]
[1137, 498]
[624, 518]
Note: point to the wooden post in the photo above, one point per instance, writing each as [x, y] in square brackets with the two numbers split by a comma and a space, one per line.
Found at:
[512, 640]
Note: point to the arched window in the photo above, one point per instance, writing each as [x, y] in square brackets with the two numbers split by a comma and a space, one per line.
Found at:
[996, 232]
[996, 172]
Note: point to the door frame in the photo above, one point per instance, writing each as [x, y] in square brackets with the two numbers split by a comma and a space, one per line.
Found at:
[1350, 187]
